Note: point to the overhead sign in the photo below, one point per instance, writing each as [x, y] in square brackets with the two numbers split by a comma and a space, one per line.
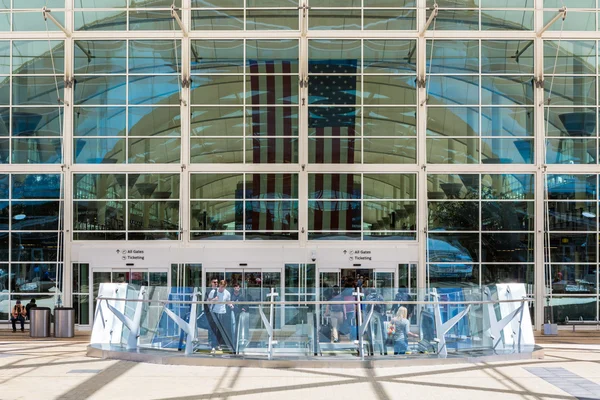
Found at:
[131, 254]
[358, 255]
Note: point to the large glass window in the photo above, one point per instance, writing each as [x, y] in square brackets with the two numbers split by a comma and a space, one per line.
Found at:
[30, 239]
[27, 15]
[571, 104]
[127, 102]
[483, 15]
[571, 257]
[368, 15]
[362, 101]
[480, 229]
[244, 206]
[362, 206]
[120, 15]
[480, 102]
[126, 206]
[31, 101]
[259, 15]
[245, 102]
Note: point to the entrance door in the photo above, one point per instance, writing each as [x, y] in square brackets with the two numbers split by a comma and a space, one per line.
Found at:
[382, 279]
[135, 277]
[255, 283]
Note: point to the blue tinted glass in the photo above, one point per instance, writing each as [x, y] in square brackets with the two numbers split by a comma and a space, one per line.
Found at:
[35, 215]
[36, 57]
[573, 187]
[154, 121]
[507, 247]
[217, 56]
[507, 90]
[5, 90]
[154, 56]
[100, 20]
[453, 56]
[510, 186]
[4, 216]
[4, 57]
[100, 90]
[35, 186]
[334, 186]
[503, 121]
[154, 89]
[271, 215]
[4, 186]
[36, 151]
[455, 247]
[506, 151]
[100, 56]
[453, 90]
[34, 246]
[37, 121]
[4, 121]
[99, 151]
[334, 215]
[99, 121]
[37, 90]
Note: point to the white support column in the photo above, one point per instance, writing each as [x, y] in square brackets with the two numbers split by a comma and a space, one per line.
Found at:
[421, 58]
[184, 182]
[539, 128]
[67, 161]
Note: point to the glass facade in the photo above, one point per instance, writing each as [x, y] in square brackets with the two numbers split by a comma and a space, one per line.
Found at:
[466, 142]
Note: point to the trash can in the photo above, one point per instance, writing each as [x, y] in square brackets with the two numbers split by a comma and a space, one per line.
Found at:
[64, 322]
[39, 322]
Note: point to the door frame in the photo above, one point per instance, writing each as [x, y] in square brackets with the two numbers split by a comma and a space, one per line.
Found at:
[110, 270]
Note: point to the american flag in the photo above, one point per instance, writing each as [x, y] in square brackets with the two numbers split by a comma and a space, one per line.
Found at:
[332, 85]
[334, 142]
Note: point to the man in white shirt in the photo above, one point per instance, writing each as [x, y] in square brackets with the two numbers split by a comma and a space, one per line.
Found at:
[219, 312]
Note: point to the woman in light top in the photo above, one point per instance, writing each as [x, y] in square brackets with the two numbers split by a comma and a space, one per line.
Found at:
[401, 331]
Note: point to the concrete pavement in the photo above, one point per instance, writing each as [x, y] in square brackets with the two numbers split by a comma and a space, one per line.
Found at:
[60, 370]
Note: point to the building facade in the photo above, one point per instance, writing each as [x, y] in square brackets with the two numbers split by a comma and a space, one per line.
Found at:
[294, 143]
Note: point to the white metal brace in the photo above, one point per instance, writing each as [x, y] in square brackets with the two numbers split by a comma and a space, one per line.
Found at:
[132, 324]
[46, 13]
[443, 328]
[496, 326]
[189, 328]
[562, 12]
[269, 323]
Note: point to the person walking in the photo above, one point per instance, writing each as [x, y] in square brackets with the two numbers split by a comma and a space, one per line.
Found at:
[401, 331]
[221, 297]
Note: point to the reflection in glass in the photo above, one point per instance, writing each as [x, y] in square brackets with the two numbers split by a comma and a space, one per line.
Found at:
[389, 151]
[334, 151]
[573, 247]
[389, 121]
[154, 150]
[334, 216]
[99, 186]
[454, 247]
[453, 151]
[99, 121]
[217, 216]
[216, 150]
[572, 187]
[271, 215]
[507, 216]
[37, 215]
[217, 121]
[36, 151]
[334, 186]
[571, 151]
[572, 216]
[98, 216]
[99, 151]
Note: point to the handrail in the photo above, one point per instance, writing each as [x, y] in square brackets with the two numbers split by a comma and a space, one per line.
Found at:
[301, 302]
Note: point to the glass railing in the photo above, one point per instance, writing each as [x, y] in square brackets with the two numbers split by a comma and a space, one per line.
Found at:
[344, 322]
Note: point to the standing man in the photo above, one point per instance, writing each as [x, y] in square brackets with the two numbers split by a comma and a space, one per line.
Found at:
[219, 312]
[212, 327]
